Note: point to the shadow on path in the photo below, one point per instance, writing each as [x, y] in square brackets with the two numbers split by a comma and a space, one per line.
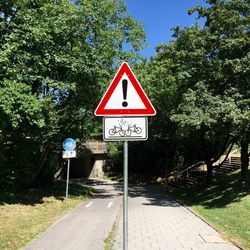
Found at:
[154, 195]
[100, 186]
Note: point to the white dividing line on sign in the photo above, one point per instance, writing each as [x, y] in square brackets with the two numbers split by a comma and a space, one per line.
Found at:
[89, 204]
[110, 204]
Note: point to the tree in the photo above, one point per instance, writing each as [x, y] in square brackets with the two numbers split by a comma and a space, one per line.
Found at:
[227, 23]
[206, 122]
[200, 83]
[56, 60]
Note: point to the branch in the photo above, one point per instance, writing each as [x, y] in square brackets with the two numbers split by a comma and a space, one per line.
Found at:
[229, 151]
[40, 163]
[11, 19]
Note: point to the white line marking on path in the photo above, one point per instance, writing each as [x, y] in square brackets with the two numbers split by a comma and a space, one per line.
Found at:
[89, 204]
[110, 204]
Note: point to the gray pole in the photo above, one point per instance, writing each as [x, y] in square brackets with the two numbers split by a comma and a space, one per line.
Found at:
[67, 184]
[125, 197]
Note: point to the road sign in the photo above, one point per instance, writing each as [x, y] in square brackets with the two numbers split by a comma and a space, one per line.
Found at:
[125, 128]
[125, 96]
[69, 154]
[69, 144]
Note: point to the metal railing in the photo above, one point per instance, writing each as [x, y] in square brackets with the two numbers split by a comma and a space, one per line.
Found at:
[188, 169]
[225, 157]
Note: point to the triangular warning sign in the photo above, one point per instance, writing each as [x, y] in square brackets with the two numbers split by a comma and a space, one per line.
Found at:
[125, 96]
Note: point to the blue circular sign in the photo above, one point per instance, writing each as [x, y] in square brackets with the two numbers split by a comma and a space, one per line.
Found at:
[69, 144]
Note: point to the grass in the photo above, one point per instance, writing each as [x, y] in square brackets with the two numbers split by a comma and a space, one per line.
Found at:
[109, 242]
[25, 214]
[225, 204]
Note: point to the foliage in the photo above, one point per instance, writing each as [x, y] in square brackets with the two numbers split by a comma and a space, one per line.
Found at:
[199, 83]
[56, 60]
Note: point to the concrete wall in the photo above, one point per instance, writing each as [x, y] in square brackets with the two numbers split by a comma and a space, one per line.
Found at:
[90, 160]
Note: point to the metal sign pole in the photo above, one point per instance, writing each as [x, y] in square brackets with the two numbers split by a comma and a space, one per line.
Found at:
[125, 197]
[67, 184]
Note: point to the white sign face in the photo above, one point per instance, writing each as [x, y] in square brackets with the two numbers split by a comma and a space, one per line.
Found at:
[117, 100]
[69, 154]
[125, 128]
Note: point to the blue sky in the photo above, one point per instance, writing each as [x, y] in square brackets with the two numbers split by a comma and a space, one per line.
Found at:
[159, 16]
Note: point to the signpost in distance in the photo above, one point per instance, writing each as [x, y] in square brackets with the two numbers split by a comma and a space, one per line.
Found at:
[69, 146]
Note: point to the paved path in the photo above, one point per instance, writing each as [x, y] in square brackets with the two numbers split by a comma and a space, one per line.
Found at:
[85, 227]
[159, 223]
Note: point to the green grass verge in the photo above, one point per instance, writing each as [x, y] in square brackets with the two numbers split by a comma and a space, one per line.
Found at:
[109, 242]
[25, 214]
[225, 204]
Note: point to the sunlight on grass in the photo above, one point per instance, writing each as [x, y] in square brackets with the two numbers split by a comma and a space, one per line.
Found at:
[225, 204]
[24, 215]
[233, 220]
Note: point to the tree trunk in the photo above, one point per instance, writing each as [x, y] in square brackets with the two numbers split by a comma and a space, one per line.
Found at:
[244, 160]
[40, 163]
[209, 171]
[229, 151]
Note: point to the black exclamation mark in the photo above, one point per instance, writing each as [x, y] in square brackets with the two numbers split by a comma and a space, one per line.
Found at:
[124, 90]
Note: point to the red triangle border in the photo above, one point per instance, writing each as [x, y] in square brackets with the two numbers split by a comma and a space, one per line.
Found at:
[101, 111]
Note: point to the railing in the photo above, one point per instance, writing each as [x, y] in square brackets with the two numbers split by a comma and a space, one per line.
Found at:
[224, 157]
[177, 175]
[187, 170]
[198, 164]
[230, 155]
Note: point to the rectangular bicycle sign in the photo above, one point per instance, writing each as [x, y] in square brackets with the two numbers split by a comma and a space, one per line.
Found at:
[69, 154]
[125, 128]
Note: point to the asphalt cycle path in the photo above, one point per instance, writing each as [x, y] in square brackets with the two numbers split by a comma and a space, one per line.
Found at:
[86, 226]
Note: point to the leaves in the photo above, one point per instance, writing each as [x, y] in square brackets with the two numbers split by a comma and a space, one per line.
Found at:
[18, 105]
[56, 59]
[199, 82]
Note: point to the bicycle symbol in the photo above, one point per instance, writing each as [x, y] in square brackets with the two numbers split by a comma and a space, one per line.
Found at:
[127, 132]
[117, 130]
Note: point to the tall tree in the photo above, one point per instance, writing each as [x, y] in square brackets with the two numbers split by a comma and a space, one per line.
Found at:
[56, 58]
[227, 23]
[200, 82]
